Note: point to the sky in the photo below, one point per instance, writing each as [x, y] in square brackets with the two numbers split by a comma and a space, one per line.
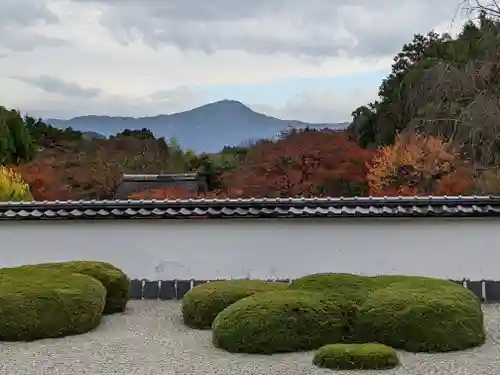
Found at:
[314, 60]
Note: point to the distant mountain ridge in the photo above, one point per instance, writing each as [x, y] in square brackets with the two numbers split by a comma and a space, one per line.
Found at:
[203, 129]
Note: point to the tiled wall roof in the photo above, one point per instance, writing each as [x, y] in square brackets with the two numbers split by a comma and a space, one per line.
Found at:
[255, 208]
[130, 183]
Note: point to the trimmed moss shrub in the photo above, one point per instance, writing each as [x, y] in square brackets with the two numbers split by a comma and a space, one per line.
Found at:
[417, 314]
[358, 288]
[435, 316]
[116, 282]
[37, 304]
[350, 286]
[281, 321]
[356, 356]
[201, 304]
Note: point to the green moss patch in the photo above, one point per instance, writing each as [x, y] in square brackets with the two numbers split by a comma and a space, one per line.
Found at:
[42, 303]
[356, 356]
[201, 304]
[115, 281]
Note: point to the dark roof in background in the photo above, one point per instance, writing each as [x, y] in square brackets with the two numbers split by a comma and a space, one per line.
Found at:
[136, 183]
[255, 208]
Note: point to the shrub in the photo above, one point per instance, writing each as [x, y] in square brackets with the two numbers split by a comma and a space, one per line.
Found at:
[356, 287]
[418, 314]
[117, 284]
[201, 304]
[356, 356]
[13, 187]
[36, 304]
[281, 321]
[421, 316]
[350, 286]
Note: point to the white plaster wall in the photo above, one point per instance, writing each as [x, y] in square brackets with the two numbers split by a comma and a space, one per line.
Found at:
[207, 249]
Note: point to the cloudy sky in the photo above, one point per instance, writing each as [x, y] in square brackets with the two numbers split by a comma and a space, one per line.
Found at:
[311, 60]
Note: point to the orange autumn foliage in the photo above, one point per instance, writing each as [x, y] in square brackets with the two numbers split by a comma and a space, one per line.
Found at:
[162, 194]
[179, 193]
[45, 182]
[418, 164]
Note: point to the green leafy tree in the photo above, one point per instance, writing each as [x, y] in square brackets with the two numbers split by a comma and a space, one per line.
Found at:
[21, 139]
[15, 141]
[42, 133]
[143, 133]
[443, 86]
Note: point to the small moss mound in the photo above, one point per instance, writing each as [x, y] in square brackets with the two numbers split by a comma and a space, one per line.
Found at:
[116, 282]
[201, 304]
[37, 304]
[356, 356]
[281, 321]
[437, 317]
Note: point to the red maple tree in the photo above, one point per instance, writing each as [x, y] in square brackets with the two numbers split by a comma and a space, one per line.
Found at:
[310, 163]
[44, 180]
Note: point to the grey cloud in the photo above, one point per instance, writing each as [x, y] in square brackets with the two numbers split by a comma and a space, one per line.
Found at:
[159, 102]
[317, 28]
[26, 12]
[181, 93]
[58, 86]
[19, 20]
[319, 106]
[23, 42]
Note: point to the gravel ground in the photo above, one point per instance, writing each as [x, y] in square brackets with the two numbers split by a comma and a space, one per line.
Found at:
[149, 339]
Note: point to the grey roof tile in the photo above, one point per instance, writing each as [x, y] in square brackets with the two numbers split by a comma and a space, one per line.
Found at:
[254, 207]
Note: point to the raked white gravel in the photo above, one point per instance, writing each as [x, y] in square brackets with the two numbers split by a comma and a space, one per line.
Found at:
[150, 339]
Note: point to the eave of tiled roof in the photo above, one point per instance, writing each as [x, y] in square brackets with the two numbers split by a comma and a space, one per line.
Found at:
[470, 206]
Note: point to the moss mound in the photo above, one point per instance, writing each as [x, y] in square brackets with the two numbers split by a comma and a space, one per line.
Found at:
[116, 282]
[436, 317]
[281, 321]
[201, 304]
[356, 356]
[351, 286]
[358, 288]
[417, 314]
[37, 304]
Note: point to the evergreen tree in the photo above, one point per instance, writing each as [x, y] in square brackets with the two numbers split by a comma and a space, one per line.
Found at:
[7, 148]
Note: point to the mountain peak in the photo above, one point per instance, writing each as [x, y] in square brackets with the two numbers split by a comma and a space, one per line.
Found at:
[226, 104]
[204, 129]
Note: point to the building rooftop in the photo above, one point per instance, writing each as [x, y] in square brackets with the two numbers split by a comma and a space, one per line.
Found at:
[461, 206]
[135, 183]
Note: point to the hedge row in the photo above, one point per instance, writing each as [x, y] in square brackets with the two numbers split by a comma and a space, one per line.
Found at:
[417, 314]
[58, 299]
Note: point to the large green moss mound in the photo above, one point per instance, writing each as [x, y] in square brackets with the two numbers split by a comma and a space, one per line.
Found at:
[354, 287]
[201, 304]
[438, 317]
[356, 356]
[37, 303]
[358, 288]
[417, 314]
[281, 321]
[115, 281]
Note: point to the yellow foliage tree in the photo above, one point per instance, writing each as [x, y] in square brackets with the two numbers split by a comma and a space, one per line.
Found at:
[418, 164]
[12, 186]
